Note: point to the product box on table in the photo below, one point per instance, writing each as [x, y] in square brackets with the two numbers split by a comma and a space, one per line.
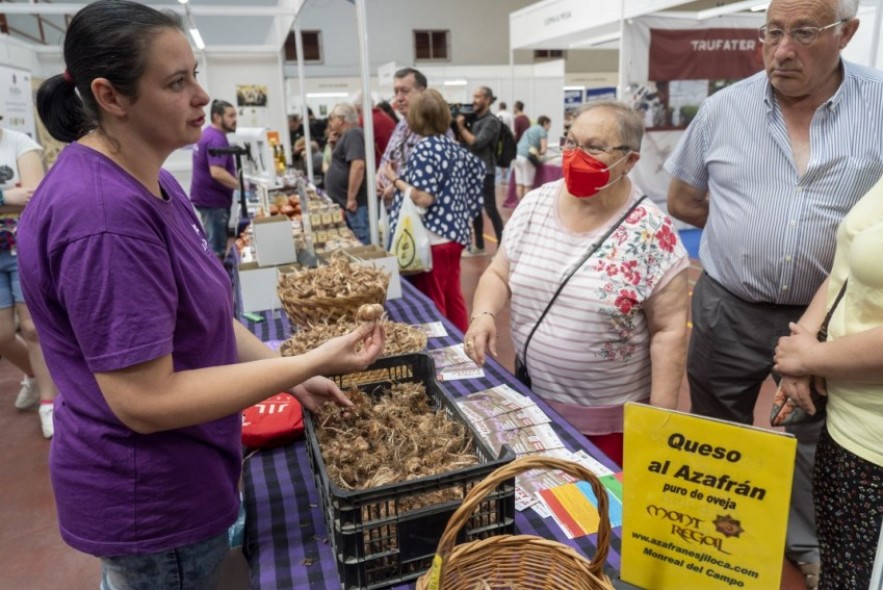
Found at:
[377, 546]
[257, 285]
[274, 240]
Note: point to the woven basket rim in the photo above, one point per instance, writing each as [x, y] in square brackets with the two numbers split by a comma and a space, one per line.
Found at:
[450, 556]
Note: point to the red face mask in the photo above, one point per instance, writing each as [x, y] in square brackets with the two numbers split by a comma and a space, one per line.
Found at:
[584, 175]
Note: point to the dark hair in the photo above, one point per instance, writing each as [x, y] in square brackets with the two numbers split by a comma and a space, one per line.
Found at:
[419, 78]
[106, 39]
[543, 119]
[387, 108]
[488, 94]
[219, 107]
[502, 106]
[519, 105]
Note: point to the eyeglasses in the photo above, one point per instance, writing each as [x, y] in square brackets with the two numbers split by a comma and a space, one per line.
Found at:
[568, 144]
[803, 35]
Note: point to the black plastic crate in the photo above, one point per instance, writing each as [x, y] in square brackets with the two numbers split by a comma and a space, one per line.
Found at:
[376, 545]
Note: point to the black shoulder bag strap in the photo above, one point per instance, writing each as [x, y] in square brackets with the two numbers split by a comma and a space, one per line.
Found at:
[822, 335]
[591, 250]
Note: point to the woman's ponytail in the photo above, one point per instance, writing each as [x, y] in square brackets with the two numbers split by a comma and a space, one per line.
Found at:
[61, 109]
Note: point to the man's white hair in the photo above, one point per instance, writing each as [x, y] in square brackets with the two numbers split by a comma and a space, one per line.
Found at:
[347, 111]
[847, 9]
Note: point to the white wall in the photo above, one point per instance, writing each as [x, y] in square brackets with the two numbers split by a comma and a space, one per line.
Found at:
[19, 55]
[220, 73]
[479, 32]
[556, 24]
[859, 49]
[49, 63]
[540, 87]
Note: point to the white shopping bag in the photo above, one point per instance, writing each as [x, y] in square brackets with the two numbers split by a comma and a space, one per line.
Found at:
[410, 243]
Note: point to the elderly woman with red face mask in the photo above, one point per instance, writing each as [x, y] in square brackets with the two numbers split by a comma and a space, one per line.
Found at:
[596, 275]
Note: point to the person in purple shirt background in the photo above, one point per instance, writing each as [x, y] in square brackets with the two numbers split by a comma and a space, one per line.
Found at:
[214, 177]
[134, 312]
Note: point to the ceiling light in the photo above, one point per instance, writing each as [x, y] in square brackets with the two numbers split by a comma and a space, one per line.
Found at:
[197, 38]
[454, 83]
[760, 7]
[183, 1]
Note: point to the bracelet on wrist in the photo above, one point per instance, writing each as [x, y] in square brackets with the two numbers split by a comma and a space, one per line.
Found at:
[481, 313]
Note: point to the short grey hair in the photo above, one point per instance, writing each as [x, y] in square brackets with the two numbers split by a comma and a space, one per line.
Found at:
[846, 9]
[347, 111]
[631, 123]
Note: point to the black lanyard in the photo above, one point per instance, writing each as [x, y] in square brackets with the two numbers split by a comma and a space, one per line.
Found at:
[591, 250]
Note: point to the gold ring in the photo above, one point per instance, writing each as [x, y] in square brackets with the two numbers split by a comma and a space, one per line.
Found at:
[469, 344]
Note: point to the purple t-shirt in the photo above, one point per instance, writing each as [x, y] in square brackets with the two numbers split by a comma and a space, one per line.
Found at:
[205, 191]
[117, 277]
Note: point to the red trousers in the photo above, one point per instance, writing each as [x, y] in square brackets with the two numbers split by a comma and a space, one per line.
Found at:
[442, 283]
[609, 444]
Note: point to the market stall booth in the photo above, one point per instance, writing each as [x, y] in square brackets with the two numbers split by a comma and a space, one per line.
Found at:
[288, 541]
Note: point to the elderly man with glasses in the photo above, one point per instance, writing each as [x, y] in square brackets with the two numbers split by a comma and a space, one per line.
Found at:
[768, 168]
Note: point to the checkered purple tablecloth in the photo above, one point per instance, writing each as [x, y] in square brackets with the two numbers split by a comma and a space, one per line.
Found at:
[286, 541]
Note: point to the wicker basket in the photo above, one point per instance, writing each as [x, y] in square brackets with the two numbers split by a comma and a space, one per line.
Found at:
[518, 561]
[333, 305]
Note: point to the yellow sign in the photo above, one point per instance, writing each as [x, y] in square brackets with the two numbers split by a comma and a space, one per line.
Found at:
[705, 502]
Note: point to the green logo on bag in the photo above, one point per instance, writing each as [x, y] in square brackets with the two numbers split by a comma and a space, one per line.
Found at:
[404, 248]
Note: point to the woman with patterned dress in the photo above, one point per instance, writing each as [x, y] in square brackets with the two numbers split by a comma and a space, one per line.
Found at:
[618, 330]
[445, 182]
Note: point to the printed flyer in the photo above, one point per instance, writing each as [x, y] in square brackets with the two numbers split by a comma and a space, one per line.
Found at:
[705, 502]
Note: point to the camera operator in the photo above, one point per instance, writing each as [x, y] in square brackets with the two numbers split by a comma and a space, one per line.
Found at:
[481, 139]
[466, 110]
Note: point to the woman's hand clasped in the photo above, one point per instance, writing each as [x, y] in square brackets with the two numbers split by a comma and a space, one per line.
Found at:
[793, 360]
[390, 172]
[793, 353]
[481, 338]
[793, 393]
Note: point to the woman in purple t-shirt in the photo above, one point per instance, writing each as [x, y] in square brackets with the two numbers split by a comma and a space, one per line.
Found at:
[134, 312]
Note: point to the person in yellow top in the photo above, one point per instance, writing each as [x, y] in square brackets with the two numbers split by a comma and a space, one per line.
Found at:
[848, 473]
